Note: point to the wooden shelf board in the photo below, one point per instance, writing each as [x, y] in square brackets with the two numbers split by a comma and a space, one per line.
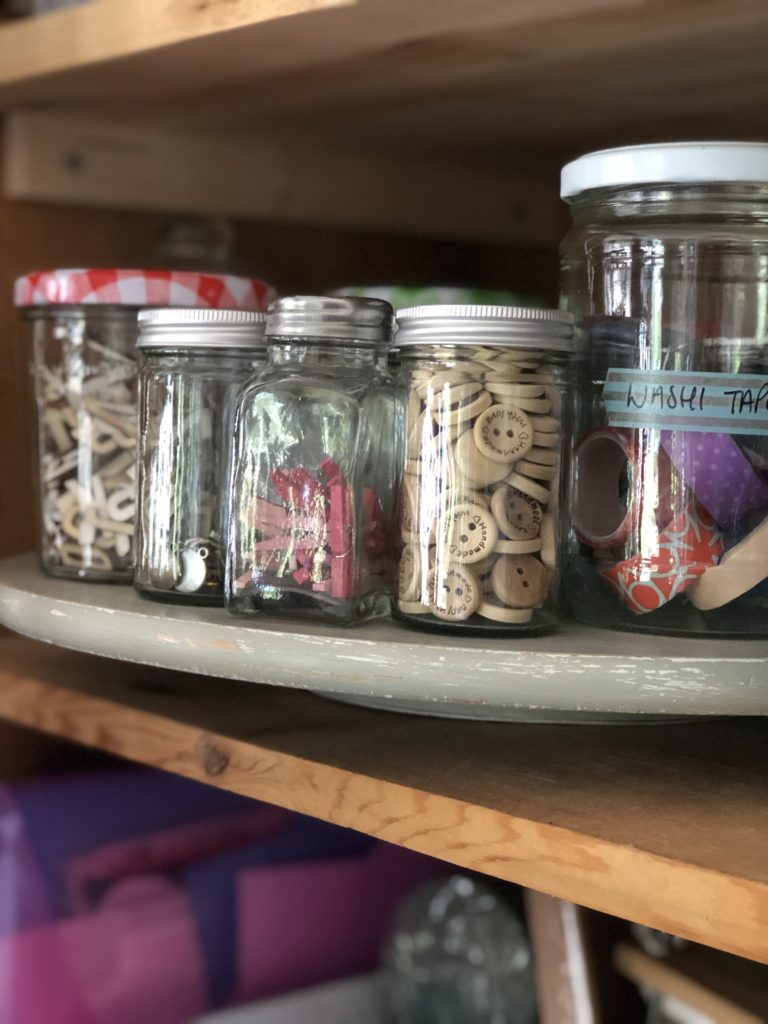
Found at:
[447, 119]
[461, 74]
[663, 825]
[577, 672]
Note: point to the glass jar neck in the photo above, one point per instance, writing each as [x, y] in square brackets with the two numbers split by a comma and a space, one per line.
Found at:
[735, 202]
[337, 355]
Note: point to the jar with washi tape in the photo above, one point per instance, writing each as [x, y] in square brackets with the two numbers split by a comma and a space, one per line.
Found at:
[83, 329]
[192, 365]
[480, 496]
[665, 269]
[314, 467]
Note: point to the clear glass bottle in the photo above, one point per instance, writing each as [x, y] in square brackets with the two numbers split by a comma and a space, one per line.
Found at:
[83, 330]
[666, 267]
[193, 363]
[479, 504]
[458, 953]
[314, 473]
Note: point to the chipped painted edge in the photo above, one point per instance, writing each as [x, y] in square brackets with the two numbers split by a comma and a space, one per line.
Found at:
[578, 671]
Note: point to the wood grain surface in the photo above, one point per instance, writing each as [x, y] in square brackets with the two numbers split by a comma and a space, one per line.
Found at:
[480, 81]
[663, 825]
[724, 989]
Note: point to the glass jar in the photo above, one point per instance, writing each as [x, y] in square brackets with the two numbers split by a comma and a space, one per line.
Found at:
[458, 952]
[313, 482]
[83, 329]
[192, 364]
[666, 267]
[479, 505]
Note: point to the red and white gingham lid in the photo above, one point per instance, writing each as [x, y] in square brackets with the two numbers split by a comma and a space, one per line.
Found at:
[142, 288]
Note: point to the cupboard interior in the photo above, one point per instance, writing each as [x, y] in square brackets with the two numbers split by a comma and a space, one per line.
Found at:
[575, 90]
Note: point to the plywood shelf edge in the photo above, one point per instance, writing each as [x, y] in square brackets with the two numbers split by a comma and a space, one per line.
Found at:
[394, 778]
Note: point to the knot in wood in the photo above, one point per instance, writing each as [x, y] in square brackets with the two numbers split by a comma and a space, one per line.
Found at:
[210, 756]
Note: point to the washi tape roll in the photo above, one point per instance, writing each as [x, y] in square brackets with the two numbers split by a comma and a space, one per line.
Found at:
[605, 506]
[742, 567]
[718, 473]
[689, 546]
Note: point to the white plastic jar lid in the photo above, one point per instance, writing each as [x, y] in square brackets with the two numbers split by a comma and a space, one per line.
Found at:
[670, 163]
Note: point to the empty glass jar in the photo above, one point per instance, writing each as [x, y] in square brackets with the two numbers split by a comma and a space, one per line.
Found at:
[314, 466]
[667, 268]
[479, 505]
[193, 363]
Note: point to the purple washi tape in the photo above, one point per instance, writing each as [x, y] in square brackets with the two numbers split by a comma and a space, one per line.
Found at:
[718, 473]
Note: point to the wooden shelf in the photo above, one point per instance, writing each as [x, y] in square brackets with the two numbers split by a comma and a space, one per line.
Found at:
[439, 118]
[497, 72]
[576, 674]
[663, 825]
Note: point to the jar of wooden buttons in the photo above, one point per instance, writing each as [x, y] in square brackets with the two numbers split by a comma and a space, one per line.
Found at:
[479, 502]
[83, 331]
[192, 364]
[314, 469]
[666, 268]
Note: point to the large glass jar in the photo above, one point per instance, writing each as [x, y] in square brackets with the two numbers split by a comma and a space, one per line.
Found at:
[313, 481]
[666, 267]
[192, 364]
[479, 505]
[83, 329]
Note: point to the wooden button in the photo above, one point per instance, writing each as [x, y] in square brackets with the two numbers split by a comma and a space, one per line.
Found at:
[548, 541]
[546, 440]
[520, 581]
[463, 413]
[447, 395]
[416, 515]
[518, 360]
[416, 436]
[518, 547]
[543, 456]
[528, 486]
[516, 389]
[434, 382]
[456, 593]
[545, 424]
[471, 534]
[536, 405]
[483, 568]
[503, 433]
[474, 466]
[517, 514]
[409, 573]
[413, 608]
[473, 497]
[532, 469]
[500, 613]
[555, 399]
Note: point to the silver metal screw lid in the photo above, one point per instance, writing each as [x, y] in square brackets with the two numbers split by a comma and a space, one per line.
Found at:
[331, 319]
[201, 328]
[510, 326]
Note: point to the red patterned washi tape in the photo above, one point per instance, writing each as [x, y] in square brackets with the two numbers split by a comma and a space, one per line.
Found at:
[689, 545]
